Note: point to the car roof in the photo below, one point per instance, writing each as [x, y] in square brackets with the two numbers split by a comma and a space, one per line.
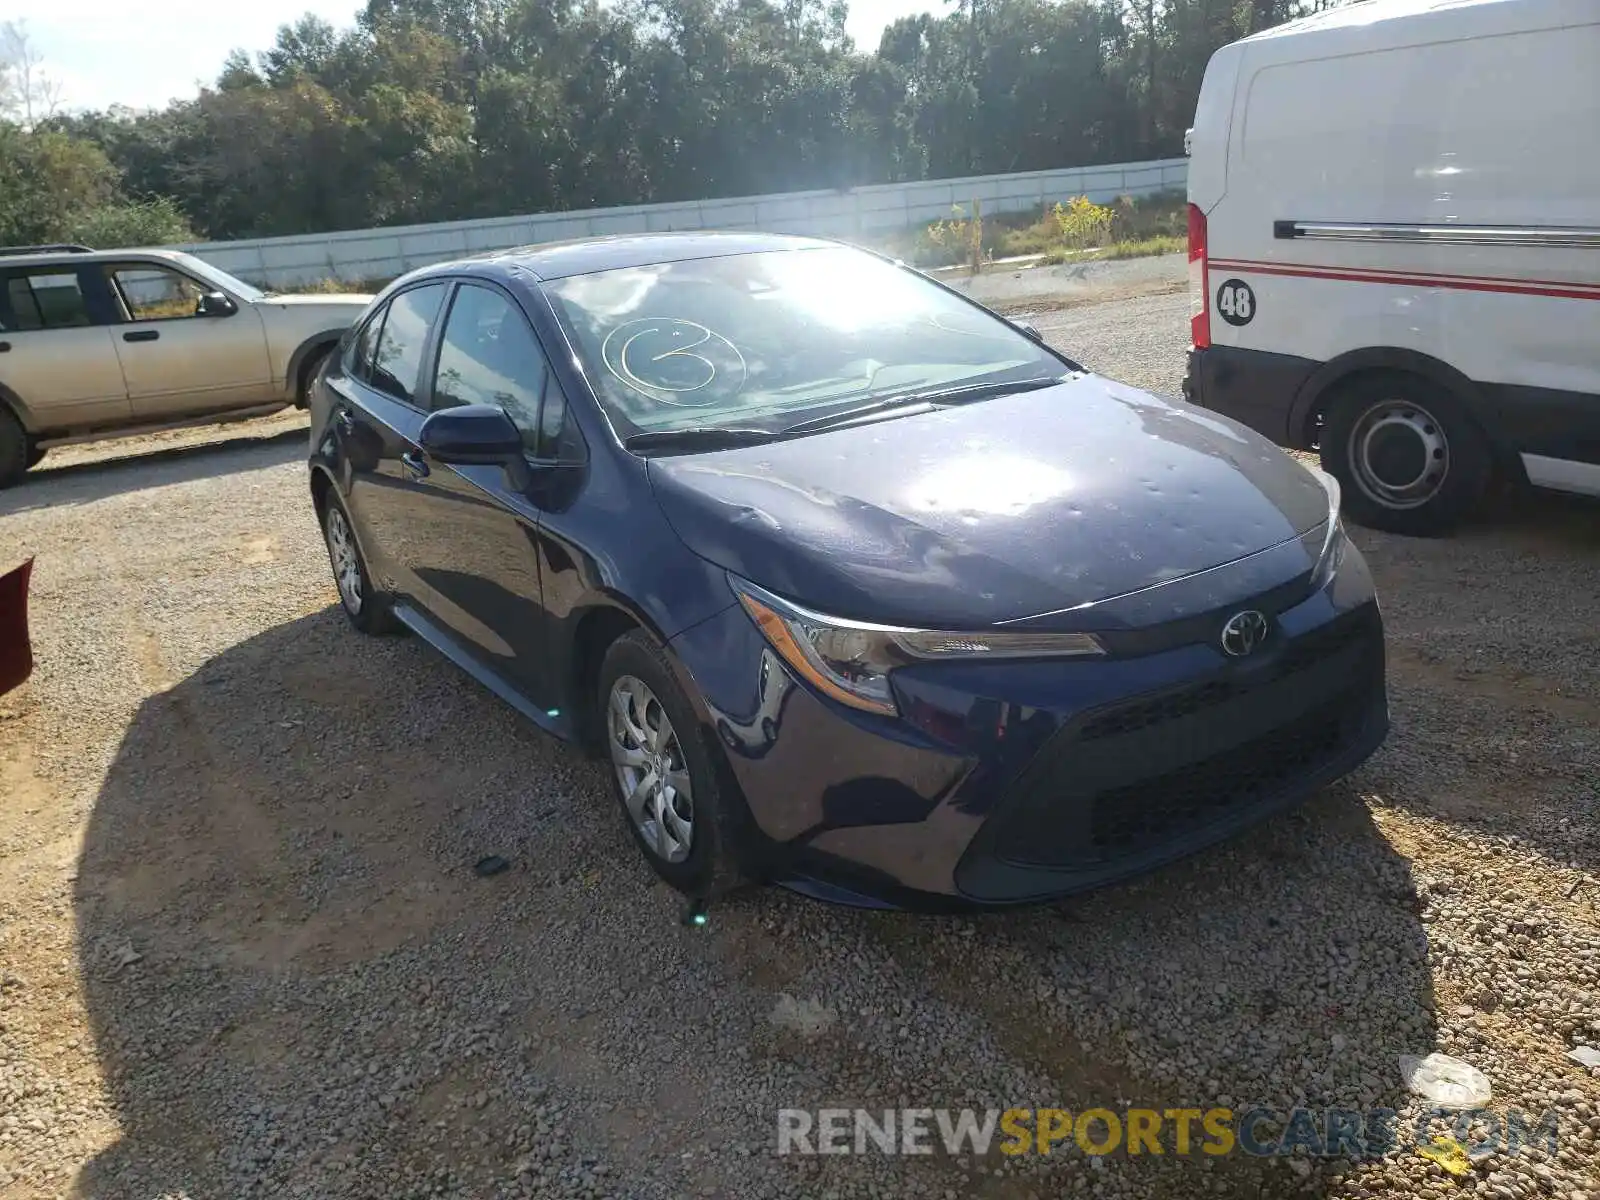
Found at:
[56, 258]
[558, 260]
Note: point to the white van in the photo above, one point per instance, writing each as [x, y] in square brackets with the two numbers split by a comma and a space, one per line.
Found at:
[1394, 248]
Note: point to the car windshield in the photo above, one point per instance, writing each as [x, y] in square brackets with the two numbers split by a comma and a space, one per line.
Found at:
[221, 278]
[760, 341]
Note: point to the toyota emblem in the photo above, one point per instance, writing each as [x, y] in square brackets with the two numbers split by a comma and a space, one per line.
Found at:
[1243, 632]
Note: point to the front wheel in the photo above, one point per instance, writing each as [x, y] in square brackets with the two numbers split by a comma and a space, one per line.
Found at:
[1407, 455]
[665, 771]
[16, 452]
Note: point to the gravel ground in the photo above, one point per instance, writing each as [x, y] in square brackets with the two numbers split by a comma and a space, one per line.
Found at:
[243, 952]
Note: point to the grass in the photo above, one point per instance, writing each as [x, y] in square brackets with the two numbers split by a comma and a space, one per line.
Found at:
[335, 287]
[1130, 248]
[1129, 227]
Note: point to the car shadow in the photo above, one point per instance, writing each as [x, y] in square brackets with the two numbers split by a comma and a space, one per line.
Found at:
[48, 486]
[297, 983]
[1285, 969]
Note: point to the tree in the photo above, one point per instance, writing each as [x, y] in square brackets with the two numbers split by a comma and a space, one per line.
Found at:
[428, 110]
[27, 93]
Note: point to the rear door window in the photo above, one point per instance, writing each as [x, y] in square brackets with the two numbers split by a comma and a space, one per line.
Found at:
[365, 346]
[397, 362]
[45, 300]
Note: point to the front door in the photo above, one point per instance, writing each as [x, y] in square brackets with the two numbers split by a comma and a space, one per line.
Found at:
[178, 363]
[472, 551]
[54, 357]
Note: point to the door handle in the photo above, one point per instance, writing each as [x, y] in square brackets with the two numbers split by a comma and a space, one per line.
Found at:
[142, 335]
[414, 464]
[345, 422]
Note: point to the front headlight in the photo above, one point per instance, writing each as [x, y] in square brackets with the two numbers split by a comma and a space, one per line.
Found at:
[1334, 541]
[850, 661]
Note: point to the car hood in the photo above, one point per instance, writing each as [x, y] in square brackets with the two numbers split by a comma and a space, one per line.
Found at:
[1033, 504]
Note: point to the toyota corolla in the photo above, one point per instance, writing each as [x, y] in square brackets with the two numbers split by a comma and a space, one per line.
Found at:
[855, 586]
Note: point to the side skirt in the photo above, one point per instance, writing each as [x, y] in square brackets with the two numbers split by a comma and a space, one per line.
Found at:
[558, 724]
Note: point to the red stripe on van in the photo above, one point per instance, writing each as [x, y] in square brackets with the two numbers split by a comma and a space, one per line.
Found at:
[1465, 283]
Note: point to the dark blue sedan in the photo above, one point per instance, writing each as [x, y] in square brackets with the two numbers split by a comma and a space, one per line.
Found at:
[857, 586]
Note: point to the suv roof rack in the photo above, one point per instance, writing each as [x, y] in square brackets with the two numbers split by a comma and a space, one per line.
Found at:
[57, 248]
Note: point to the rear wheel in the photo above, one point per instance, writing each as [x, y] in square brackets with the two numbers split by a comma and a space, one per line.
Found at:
[1406, 453]
[665, 771]
[367, 609]
[15, 449]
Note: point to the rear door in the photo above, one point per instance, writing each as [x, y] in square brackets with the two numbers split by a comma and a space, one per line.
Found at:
[56, 357]
[176, 362]
[376, 416]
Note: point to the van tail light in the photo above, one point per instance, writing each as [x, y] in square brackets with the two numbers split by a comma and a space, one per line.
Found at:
[1199, 287]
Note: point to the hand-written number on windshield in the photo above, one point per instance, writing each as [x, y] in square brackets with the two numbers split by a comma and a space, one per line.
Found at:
[668, 359]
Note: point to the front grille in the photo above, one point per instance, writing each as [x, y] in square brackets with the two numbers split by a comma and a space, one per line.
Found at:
[1300, 654]
[1127, 819]
[1126, 779]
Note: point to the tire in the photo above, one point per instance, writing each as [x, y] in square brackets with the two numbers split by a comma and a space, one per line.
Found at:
[367, 608]
[15, 451]
[308, 372]
[1408, 456]
[710, 863]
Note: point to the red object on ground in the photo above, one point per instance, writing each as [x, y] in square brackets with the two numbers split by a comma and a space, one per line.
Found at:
[16, 652]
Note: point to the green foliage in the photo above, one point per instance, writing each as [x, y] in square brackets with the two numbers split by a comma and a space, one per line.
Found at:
[157, 222]
[430, 110]
[48, 181]
[1061, 232]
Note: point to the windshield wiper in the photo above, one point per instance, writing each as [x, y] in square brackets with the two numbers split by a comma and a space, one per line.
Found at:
[933, 397]
[703, 438]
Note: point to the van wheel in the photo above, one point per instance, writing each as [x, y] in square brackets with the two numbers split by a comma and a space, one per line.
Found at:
[15, 453]
[1406, 454]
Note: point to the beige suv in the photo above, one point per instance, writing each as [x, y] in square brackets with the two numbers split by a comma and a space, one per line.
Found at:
[100, 343]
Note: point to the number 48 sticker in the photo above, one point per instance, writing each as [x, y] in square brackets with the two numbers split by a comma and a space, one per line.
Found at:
[1236, 302]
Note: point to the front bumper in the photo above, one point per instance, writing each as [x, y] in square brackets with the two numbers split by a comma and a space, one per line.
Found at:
[1007, 783]
[1254, 387]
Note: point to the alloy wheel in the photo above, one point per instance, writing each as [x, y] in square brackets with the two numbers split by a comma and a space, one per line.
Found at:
[651, 770]
[346, 563]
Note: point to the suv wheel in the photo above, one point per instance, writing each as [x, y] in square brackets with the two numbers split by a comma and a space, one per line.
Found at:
[1406, 453]
[308, 372]
[665, 771]
[16, 452]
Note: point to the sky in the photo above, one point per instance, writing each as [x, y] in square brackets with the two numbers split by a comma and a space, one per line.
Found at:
[143, 53]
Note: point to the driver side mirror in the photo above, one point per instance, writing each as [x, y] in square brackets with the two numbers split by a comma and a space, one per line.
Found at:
[215, 304]
[471, 433]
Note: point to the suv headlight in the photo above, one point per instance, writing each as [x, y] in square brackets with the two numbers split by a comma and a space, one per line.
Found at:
[850, 661]
[1334, 541]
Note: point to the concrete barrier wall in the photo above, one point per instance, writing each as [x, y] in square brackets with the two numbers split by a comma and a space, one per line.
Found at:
[365, 254]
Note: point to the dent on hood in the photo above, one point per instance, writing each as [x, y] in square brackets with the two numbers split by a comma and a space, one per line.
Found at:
[1029, 504]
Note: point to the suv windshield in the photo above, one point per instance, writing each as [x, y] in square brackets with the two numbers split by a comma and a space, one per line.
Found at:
[759, 341]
